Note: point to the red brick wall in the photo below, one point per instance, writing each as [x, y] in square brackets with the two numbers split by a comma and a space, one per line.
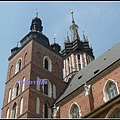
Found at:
[97, 94]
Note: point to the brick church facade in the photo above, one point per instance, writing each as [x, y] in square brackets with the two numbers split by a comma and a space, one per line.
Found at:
[78, 85]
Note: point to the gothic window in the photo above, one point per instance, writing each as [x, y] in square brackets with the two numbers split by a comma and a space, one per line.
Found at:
[88, 59]
[23, 85]
[45, 110]
[56, 68]
[14, 111]
[110, 90]
[7, 114]
[21, 106]
[38, 58]
[47, 64]
[11, 71]
[38, 105]
[9, 95]
[68, 65]
[25, 59]
[47, 89]
[78, 59]
[116, 114]
[54, 91]
[15, 91]
[74, 111]
[18, 65]
[38, 85]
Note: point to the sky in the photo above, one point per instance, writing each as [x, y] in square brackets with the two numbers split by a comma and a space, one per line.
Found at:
[99, 20]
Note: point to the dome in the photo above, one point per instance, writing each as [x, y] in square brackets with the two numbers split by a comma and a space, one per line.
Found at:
[36, 24]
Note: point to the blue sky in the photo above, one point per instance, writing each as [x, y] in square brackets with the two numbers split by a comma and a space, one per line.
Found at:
[99, 20]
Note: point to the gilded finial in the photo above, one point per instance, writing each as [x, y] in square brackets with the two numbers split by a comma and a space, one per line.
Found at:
[83, 32]
[17, 43]
[36, 12]
[54, 37]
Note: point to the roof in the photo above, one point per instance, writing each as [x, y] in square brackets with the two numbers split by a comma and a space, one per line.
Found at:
[92, 69]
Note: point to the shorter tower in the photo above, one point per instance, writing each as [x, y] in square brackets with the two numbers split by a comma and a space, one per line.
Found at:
[77, 53]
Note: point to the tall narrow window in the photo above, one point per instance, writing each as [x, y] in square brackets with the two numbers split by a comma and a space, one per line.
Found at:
[79, 63]
[38, 85]
[110, 90]
[47, 90]
[14, 111]
[7, 114]
[46, 64]
[15, 91]
[68, 65]
[45, 110]
[18, 65]
[23, 85]
[25, 59]
[74, 111]
[38, 105]
[56, 68]
[9, 95]
[54, 91]
[21, 106]
[11, 71]
[38, 58]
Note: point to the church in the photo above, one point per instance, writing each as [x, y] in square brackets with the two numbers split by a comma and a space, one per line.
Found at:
[78, 85]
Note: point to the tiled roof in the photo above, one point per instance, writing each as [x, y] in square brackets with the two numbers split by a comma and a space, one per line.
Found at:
[92, 69]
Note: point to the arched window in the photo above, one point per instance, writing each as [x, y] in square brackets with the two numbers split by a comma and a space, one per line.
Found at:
[68, 65]
[38, 105]
[54, 91]
[18, 65]
[116, 114]
[25, 59]
[79, 62]
[7, 114]
[47, 89]
[11, 71]
[21, 106]
[74, 111]
[23, 85]
[16, 90]
[9, 95]
[88, 59]
[14, 111]
[38, 58]
[45, 110]
[110, 90]
[56, 68]
[47, 64]
[38, 85]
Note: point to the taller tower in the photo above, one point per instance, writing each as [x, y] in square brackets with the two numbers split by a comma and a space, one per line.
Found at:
[77, 53]
[34, 60]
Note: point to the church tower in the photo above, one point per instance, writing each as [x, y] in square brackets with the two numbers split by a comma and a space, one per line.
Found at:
[34, 79]
[77, 53]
